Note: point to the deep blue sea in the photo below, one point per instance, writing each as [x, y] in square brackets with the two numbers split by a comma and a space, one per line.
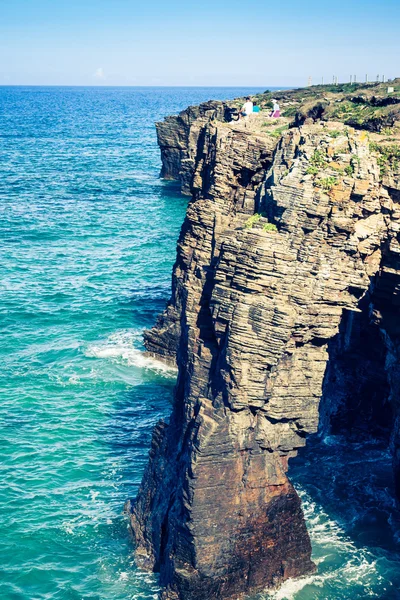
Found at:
[87, 237]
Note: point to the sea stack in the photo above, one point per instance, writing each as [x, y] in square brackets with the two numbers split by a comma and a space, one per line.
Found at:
[287, 258]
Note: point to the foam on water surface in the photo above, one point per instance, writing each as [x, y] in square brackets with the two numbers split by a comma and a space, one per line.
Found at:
[121, 346]
[339, 510]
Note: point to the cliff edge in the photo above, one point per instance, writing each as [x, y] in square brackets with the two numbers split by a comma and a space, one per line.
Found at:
[287, 263]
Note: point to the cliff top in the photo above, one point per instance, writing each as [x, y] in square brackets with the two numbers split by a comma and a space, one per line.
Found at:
[363, 106]
[334, 111]
[343, 108]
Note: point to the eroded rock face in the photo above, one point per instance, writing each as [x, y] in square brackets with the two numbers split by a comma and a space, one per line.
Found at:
[250, 319]
[229, 167]
[178, 136]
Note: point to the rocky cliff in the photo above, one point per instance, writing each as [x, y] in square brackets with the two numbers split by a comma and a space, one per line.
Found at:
[178, 137]
[284, 310]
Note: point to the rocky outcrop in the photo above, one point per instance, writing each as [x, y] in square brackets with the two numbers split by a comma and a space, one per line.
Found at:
[230, 164]
[178, 137]
[257, 308]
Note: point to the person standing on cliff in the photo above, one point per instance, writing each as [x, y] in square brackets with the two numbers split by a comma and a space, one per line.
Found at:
[246, 109]
[276, 111]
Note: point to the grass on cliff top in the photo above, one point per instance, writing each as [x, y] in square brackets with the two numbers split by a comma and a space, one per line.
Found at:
[341, 88]
[344, 89]
[364, 106]
[276, 133]
[358, 113]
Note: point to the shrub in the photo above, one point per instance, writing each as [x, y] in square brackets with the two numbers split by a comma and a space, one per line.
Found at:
[318, 159]
[373, 146]
[312, 170]
[278, 131]
[252, 220]
[326, 183]
[290, 111]
[270, 227]
[335, 133]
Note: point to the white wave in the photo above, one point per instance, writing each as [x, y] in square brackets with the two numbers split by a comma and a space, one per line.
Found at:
[120, 347]
[332, 440]
[290, 588]
[68, 528]
[353, 565]
[353, 572]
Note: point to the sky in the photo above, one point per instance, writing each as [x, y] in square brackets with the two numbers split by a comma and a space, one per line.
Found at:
[203, 43]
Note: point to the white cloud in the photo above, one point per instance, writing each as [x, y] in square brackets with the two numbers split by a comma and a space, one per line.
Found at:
[99, 74]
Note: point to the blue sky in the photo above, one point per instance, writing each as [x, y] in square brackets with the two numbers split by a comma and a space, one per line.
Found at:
[249, 43]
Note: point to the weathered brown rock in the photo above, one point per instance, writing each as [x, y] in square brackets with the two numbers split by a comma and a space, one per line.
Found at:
[178, 136]
[250, 321]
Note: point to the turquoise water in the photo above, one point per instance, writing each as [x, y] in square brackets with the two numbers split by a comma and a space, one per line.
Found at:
[88, 234]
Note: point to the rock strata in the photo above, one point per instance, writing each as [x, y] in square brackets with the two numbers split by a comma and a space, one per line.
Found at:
[258, 307]
[178, 136]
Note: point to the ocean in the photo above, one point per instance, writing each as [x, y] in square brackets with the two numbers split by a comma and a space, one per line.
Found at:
[88, 234]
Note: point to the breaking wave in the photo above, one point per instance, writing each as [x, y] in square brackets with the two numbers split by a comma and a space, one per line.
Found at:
[122, 347]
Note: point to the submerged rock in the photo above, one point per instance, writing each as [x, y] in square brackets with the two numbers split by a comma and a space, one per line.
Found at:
[255, 310]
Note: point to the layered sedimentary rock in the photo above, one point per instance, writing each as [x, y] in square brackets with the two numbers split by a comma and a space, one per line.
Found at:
[178, 136]
[255, 311]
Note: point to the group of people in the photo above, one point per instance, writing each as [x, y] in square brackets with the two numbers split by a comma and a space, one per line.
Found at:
[250, 107]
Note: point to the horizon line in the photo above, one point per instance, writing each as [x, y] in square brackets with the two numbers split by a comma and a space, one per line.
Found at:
[141, 86]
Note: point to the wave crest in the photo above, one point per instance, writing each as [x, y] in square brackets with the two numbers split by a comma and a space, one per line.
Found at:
[122, 347]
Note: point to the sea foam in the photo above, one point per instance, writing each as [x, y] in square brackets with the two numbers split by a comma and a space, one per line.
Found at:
[351, 565]
[122, 347]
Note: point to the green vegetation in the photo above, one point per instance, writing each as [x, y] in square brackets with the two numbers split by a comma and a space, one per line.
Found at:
[313, 170]
[290, 111]
[252, 220]
[270, 227]
[347, 88]
[335, 133]
[278, 132]
[374, 147]
[318, 159]
[388, 156]
[356, 113]
[362, 106]
[349, 170]
[326, 183]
